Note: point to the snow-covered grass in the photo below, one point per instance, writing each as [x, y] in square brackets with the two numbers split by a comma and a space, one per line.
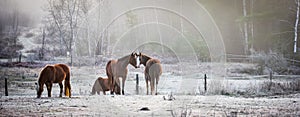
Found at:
[187, 88]
[108, 105]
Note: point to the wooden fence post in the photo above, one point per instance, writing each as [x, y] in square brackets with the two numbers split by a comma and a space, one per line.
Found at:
[205, 83]
[137, 84]
[6, 91]
[271, 77]
[20, 57]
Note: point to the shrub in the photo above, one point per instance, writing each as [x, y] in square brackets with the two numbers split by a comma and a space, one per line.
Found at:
[280, 88]
[271, 61]
[9, 47]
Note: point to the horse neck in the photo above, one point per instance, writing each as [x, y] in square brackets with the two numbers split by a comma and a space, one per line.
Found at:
[124, 61]
[145, 58]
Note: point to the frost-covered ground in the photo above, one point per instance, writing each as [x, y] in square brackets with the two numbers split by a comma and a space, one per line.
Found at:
[187, 88]
[131, 105]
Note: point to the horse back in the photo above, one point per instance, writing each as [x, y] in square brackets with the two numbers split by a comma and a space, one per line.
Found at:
[65, 68]
[47, 74]
[153, 66]
[104, 83]
[60, 73]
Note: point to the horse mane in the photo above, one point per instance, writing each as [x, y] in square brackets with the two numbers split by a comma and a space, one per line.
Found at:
[145, 58]
[145, 55]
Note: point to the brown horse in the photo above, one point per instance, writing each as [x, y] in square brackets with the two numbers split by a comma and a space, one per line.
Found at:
[101, 84]
[54, 74]
[118, 68]
[152, 71]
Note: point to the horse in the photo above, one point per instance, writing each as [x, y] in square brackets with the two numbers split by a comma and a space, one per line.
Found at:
[118, 68]
[54, 74]
[101, 84]
[152, 72]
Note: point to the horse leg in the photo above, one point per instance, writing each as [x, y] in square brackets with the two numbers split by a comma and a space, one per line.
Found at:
[146, 84]
[112, 86]
[117, 86]
[49, 88]
[103, 89]
[152, 86]
[61, 89]
[123, 84]
[116, 89]
[156, 83]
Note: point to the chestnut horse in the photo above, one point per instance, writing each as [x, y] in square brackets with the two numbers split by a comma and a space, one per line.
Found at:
[152, 72]
[54, 74]
[101, 84]
[118, 68]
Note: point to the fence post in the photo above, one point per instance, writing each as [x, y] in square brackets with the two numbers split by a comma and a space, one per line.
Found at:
[205, 83]
[137, 84]
[271, 77]
[6, 91]
[20, 57]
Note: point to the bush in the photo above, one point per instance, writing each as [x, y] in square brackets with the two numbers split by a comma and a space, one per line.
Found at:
[271, 61]
[9, 48]
[279, 88]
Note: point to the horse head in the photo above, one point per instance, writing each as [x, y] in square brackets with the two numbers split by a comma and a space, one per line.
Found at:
[142, 58]
[138, 59]
[134, 60]
[37, 87]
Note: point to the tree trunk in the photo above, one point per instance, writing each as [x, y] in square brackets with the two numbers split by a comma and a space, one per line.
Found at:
[245, 27]
[43, 45]
[296, 27]
[252, 25]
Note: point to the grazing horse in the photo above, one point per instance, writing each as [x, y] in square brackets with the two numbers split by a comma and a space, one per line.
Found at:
[118, 68]
[152, 72]
[54, 74]
[101, 84]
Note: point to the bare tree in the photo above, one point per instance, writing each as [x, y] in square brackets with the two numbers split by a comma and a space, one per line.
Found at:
[245, 27]
[65, 15]
[10, 30]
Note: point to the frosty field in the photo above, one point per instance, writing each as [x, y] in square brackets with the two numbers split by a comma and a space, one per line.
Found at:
[187, 89]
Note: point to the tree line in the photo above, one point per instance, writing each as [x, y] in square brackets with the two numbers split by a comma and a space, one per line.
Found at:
[259, 25]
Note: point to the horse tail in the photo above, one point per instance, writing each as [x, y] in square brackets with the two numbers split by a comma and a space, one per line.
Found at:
[67, 79]
[108, 67]
[67, 85]
[109, 72]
